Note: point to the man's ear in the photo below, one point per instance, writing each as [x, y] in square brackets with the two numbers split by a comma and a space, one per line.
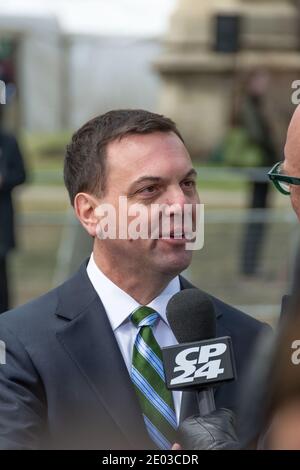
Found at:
[84, 206]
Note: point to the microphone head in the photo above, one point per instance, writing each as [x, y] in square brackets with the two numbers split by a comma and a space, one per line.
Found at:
[191, 315]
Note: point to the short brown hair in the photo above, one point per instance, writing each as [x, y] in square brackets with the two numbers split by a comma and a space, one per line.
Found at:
[84, 166]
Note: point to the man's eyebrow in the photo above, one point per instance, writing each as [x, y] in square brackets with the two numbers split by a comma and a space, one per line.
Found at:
[192, 172]
[156, 179]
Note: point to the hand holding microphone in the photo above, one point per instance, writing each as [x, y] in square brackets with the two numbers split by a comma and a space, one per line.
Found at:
[216, 431]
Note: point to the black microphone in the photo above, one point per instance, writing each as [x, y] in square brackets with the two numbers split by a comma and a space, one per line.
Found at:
[200, 361]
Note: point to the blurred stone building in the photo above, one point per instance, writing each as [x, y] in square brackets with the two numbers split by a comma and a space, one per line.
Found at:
[73, 60]
[123, 57]
[209, 45]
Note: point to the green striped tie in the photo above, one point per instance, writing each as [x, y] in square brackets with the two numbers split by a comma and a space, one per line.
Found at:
[148, 376]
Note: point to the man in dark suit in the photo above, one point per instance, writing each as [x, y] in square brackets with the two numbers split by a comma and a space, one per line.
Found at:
[83, 362]
[12, 174]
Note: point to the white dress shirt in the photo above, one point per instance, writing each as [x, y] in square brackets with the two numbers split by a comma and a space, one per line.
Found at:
[119, 305]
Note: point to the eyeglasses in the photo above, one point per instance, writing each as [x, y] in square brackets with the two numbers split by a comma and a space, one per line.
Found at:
[281, 181]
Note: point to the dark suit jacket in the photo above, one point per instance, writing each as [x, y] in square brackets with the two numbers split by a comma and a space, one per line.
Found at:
[13, 173]
[65, 384]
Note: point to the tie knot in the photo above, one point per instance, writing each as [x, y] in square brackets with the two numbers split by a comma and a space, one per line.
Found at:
[144, 316]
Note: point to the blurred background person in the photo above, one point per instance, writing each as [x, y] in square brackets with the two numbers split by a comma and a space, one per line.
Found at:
[250, 116]
[12, 173]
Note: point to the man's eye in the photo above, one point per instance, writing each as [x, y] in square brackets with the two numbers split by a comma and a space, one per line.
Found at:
[149, 190]
[189, 184]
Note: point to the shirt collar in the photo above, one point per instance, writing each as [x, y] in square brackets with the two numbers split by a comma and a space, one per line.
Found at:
[118, 304]
[159, 304]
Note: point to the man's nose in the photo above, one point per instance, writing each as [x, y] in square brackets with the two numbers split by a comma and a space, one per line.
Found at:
[176, 197]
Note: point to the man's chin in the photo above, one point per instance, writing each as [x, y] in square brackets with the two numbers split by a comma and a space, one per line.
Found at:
[174, 265]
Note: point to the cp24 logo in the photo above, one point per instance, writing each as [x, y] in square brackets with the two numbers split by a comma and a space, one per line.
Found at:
[189, 359]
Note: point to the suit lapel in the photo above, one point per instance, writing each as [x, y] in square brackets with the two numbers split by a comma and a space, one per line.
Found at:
[90, 342]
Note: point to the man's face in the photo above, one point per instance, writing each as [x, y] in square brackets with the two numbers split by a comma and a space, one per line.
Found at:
[149, 169]
[291, 165]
